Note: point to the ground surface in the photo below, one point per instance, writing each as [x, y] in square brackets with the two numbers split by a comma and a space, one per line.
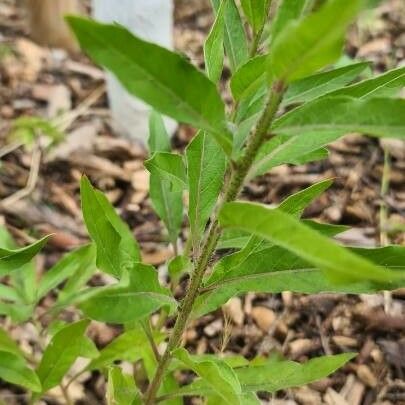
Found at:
[37, 81]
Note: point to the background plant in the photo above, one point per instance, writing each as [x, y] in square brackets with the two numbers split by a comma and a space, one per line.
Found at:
[289, 102]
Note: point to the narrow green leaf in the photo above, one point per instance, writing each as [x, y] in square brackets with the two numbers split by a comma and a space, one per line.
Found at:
[70, 263]
[277, 375]
[249, 77]
[235, 41]
[383, 117]
[170, 167]
[216, 373]
[13, 259]
[121, 388]
[284, 149]
[237, 239]
[14, 370]
[206, 164]
[293, 205]
[167, 203]
[158, 140]
[8, 345]
[256, 12]
[274, 270]
[317, 85]
[286, 231]
[387, 84]
[214, 46]
[179, 90]
[287, 11]
[136, 297]
[18, 312]
[296, 203]
[117, 249]
[63, 349]
[273, 375]
[307, 45]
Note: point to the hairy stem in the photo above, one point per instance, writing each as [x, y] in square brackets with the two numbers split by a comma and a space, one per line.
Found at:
[255, 140]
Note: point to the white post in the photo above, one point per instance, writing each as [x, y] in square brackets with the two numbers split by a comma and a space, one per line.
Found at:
[151, 20]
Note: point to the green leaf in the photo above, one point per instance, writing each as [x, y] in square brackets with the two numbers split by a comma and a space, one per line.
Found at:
[274, 270]
[383, 117]
[178, 266]
[216, 373]
[179, 90]
[248, 79]
[117, 249]
[214, 46]
[7, 345]
[277, 375]
[235, 42]
[83, 272]
[286, 231]
[246, 399]
[256, 12]
[77, 260]
[168, 166]
[136, 297]
[14, 370]
[167, 203]
[128, 346]
[64, 348]
[13, 259]
[206, 164]
[18, 312]
[121, 388]
[296, 203]
[158, 140]
[309, 44]
[283, 149]
[385, 85]
[8, 293]
[287, 11]
[317, 85]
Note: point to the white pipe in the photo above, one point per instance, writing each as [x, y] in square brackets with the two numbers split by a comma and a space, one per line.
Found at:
[151, 20]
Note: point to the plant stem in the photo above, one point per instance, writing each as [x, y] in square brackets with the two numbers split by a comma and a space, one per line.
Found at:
[256, 42]
[233, 188]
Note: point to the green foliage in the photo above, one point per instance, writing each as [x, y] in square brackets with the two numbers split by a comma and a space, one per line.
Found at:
[170, 167]
[307, 45]
[179, 90]
[383, 117]
[14, 370]
[116, 247]
[138, 294]
[214, 46]
[64, 348]
[13, 259]
[256, 12]
[289, 103]
[206, 169]
[286, 231]
[121, 388]
[166, 200]
[215, 373]
[235, 42]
